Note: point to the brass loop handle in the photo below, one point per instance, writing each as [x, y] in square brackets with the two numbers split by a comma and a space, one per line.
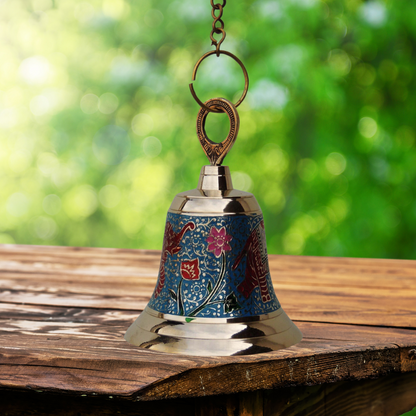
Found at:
[216, 152]
[246, 81]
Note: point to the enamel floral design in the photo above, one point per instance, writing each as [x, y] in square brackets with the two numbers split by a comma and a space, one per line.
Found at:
[214, 267]
[218, 241]
[190, 270]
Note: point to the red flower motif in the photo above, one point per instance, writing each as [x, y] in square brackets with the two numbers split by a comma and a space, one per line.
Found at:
[190, 269]
[218, 241]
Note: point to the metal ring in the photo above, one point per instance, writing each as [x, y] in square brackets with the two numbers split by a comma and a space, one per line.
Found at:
[224, 2]
[215, 28]
[191, 87]
[220, 8]
[216, 152]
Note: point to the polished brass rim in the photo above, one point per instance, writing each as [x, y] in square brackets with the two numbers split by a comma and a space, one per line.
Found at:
[216, 338]
[245, 319]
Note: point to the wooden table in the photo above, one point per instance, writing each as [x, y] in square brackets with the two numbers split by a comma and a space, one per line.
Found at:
[64, 312]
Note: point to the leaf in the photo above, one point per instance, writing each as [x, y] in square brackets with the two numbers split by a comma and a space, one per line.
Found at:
[209, 287]
[231, 303]
[189, 319]
[173, 294]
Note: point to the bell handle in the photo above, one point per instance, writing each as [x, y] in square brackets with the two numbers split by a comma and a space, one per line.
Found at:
[216, 152]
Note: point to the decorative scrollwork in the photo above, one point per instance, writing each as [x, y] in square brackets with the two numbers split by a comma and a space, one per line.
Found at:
[216, 152]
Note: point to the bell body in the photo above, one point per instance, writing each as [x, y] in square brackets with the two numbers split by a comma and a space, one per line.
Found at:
[214, 294]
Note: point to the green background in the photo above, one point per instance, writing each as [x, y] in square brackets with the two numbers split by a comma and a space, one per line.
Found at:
[97, 124]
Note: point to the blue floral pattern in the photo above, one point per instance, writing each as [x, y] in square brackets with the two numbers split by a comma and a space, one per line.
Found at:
[219, 268]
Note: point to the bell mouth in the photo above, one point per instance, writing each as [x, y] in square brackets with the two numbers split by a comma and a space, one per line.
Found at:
[213, 336]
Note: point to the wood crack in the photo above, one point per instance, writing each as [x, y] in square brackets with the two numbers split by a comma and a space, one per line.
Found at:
[50, 366]
[410, 328]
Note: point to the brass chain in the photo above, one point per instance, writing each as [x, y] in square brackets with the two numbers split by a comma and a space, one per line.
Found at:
[217, 29]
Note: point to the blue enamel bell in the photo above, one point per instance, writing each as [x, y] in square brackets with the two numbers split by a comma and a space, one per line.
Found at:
[214, 294]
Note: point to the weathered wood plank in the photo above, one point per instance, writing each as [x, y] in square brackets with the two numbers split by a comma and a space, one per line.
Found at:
[353, 272]
[92, 358]
[14, 312]
[66, 299]
[14, 317]
[251, 403]
[63, 312]
[388, 396]
[371, 308]
[357, 291]
[37, 403]
[392, 395]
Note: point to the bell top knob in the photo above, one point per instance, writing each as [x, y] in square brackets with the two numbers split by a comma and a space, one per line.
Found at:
[215, 178]
[215, 195]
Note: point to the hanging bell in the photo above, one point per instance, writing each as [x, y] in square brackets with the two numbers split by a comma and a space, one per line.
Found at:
[214, 295]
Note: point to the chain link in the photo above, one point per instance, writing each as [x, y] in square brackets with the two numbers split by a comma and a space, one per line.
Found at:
[215, 28]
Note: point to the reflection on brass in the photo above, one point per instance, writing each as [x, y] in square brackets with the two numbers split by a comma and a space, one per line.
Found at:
[162, 329]
[246, 81]
[215, 196]
[214, 337]
[216, 152]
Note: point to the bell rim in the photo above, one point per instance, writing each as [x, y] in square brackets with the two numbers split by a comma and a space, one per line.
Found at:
[204, 320]
[283, 333]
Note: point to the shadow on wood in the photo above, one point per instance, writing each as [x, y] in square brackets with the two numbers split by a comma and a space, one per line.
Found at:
[388, 396]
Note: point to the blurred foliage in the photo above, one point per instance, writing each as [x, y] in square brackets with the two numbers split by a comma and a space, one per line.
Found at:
[411, 413]
[97, 125]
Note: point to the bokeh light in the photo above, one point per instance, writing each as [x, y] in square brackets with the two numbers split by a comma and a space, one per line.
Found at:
[97, 126]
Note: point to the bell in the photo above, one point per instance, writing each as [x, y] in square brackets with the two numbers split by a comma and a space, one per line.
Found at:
[214, 295]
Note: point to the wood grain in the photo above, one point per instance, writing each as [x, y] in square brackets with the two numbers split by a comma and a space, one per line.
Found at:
[74, 355]
[387, 396]
[337, 290]
[251, 404]
[64, 311]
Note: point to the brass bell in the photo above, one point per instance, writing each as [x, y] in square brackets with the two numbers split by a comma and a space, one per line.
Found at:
[214, 294]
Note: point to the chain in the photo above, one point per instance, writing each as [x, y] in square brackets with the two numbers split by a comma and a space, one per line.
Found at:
[218, 27]
[215, 28]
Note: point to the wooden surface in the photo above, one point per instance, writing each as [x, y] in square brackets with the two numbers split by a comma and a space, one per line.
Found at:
[64, 312]
[385, 396]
